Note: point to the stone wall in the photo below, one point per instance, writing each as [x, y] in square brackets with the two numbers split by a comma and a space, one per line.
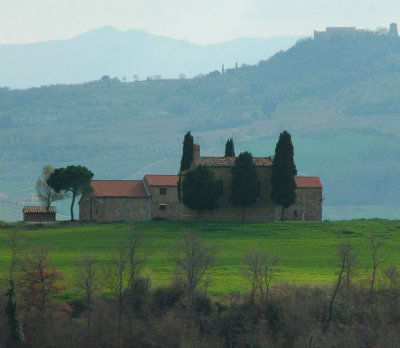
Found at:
[39, 217]
[165, 202]
[107, 209]
[308, 206]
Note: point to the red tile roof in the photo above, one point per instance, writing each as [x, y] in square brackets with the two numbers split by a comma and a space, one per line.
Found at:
[36, 209]
[308, 182]
[162, 180]
[230, 161]
[119, 188]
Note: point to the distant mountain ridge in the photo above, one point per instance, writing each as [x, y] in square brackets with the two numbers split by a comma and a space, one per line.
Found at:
[107, 51]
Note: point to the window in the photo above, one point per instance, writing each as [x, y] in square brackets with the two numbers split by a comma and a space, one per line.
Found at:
[163, 191]
[163, 207]
[220, 188]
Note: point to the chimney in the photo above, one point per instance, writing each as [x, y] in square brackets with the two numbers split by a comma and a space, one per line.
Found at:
[196, 156]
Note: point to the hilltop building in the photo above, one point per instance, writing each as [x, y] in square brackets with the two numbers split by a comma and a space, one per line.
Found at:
[156, 197]
[393, 30]
[351, 32]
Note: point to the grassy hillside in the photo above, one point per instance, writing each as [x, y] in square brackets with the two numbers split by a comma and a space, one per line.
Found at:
[338, 97]
[307, 250]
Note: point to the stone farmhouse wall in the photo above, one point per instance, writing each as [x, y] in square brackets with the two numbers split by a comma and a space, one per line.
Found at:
[164, 202]
[108, 209]
[308, 206]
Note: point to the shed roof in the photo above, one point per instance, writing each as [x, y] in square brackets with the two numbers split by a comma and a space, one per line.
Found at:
[308, 182]
[162, 180]
[119, 188]
[230, 161]
[38, 209]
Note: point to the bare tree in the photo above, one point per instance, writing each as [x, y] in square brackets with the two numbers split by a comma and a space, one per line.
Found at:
[251, 270]
[193, 259]
[345, 264]
[392, 274]
[347, 250]
[116, 279]
[376, 245]
[40, 281]
[87, 277]
[45, 193]
[259, 266]
[134, 241]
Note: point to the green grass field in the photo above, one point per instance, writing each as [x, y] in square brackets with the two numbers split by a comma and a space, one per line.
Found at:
[307, 249]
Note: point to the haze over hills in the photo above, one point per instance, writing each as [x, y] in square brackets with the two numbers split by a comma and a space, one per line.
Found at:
[339, 96]
[107, 51]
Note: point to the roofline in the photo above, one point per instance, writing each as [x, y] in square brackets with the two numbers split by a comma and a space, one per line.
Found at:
[116, 180]
[122, 196]
[309, 187]
[160, 174]
[149, 195]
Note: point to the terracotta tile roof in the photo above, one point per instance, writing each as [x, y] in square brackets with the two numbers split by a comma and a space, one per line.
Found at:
[119, 188]
[308, 181]
[230, 161]
[36, 209]
[162, 180]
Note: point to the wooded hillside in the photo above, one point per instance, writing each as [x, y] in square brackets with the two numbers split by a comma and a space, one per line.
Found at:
[339, 98]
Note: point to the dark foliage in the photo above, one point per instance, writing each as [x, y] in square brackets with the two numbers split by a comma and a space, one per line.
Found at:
[283, 185]
[16, 334]
[73, 179]
[244, 181]
[229, 148]
[187, 152]
[199, 189]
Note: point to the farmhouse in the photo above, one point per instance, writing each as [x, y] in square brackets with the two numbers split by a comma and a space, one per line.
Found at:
[156, 196]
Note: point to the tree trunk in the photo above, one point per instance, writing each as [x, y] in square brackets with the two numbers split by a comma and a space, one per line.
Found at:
[243, 207]
[283, 214]
[72, 206]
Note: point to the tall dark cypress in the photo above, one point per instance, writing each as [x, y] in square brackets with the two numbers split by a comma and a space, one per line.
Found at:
[283, 190]
[244, 185]
[229, 148]
[187, 152]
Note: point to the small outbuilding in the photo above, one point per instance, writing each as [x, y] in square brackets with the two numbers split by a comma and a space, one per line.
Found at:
[39, 214]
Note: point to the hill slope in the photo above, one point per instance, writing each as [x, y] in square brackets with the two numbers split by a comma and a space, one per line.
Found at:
[107, 51]
[339, 97]
[308, 250]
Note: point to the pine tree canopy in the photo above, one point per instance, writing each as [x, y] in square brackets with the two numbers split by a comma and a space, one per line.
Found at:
[283, 190]
[74, 179]
[187, 153]
[199, 189]
[244, 181]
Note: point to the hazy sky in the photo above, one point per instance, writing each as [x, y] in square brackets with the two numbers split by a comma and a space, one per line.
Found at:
[200, 21]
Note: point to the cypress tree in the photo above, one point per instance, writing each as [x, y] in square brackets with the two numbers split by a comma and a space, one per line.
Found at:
[229, 148]
[187, 152]
[244, 182]
[283, 190]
